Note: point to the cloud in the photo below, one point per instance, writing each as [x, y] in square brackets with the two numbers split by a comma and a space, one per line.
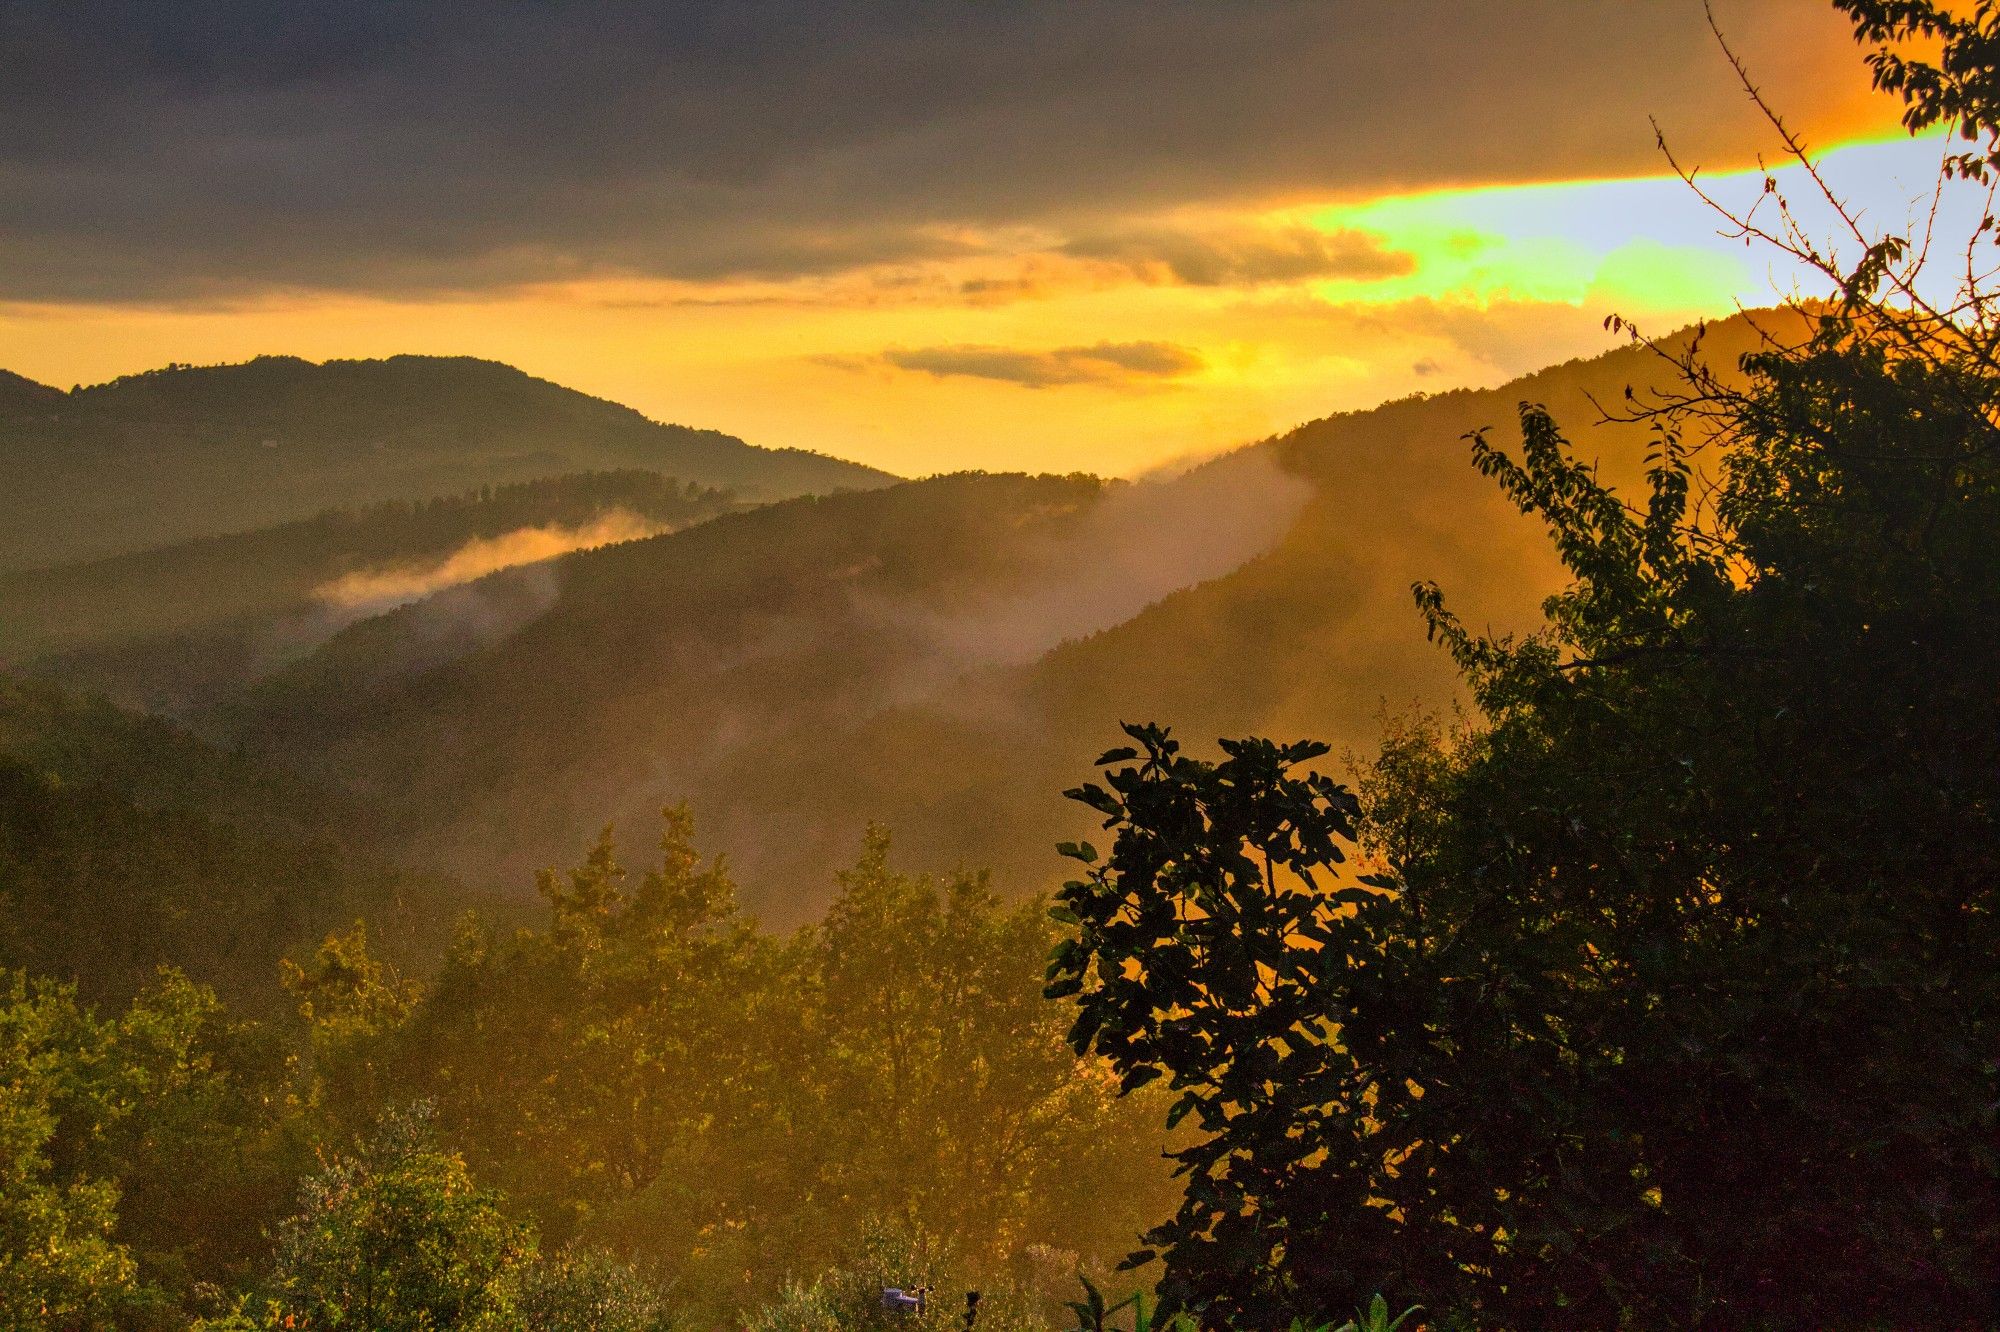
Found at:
[171, 152]
[1245, 256]
[1106, 364]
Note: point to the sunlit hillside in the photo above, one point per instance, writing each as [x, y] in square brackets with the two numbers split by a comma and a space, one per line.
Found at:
[941, 656]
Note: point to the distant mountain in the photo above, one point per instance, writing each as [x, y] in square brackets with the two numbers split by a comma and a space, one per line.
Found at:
[944, 656]
[19, 394]
[178, 627]
[186, 452]
[645, 664]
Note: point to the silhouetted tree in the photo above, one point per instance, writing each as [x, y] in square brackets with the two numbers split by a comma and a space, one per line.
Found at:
[1673, 1003]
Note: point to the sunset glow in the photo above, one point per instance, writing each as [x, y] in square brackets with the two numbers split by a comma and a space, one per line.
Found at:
[1076, 335]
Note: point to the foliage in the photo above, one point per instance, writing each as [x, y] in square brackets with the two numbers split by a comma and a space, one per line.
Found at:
[1205, 947]
[396, 1238]
[650, 1070]
[653, 1071]
[1094, 1313]
[1375, 1318]
[587, 1290]
[1671, 1003]
[1958, 87]
[99, 890]
[139, 1159]
[1673, 1007]
[59, 1263]
[848, 1296]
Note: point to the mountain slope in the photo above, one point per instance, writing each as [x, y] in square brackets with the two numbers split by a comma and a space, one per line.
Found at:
[186, 452]
[1317, 636]
[944, 656]
[651, 661]
[127, 844]
[19, 394]
[179, 627]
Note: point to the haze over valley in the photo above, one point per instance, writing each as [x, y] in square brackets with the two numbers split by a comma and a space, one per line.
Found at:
[1169, 667]
[495, 675]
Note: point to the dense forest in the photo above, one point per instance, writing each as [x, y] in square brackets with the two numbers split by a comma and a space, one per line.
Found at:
[1644, 979]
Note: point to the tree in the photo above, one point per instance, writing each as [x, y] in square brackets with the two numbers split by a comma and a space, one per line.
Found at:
[1672, 1004]
[1955, 84]
[138, 1154]
[60, 1266]
[650, 1070]
[586, 1290]
[396, 1238]
[1209, 949]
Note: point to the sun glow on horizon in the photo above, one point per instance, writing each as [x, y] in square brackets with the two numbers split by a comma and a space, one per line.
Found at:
[1110, 347]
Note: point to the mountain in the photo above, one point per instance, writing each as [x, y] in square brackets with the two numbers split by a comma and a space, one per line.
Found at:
[945, 656]
[20, 395]
[175, 628]
[636, 668]
[1316, 636]
[127, 844]
[186, 452]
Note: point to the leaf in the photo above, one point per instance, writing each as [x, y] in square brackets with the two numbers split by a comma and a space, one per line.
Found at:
[1139, 1077]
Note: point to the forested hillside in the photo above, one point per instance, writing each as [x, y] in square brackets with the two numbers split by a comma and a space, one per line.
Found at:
[127, 845]
[938, 655]
[176, 628]
[84, 740]
[648, 664]
[102, 892]
[188, 451]
[1515, 860]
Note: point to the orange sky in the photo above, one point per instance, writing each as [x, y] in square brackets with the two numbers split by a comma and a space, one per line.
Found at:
[1070, 333]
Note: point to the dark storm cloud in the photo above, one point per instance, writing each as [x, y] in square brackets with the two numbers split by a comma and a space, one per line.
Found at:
[179, 150]
[1108, 364]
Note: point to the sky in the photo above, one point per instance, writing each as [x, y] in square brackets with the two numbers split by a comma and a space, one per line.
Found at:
[1050, 235]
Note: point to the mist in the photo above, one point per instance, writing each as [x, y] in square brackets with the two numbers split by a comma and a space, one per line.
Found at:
[1143, 541]
[366, 592]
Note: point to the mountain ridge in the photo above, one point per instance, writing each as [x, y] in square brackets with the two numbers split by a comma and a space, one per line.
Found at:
[1308, 630]
[171, 626]
[943, 656]
[182, 452]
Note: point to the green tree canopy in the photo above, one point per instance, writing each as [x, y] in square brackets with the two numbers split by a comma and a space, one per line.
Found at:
[396, 1238]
